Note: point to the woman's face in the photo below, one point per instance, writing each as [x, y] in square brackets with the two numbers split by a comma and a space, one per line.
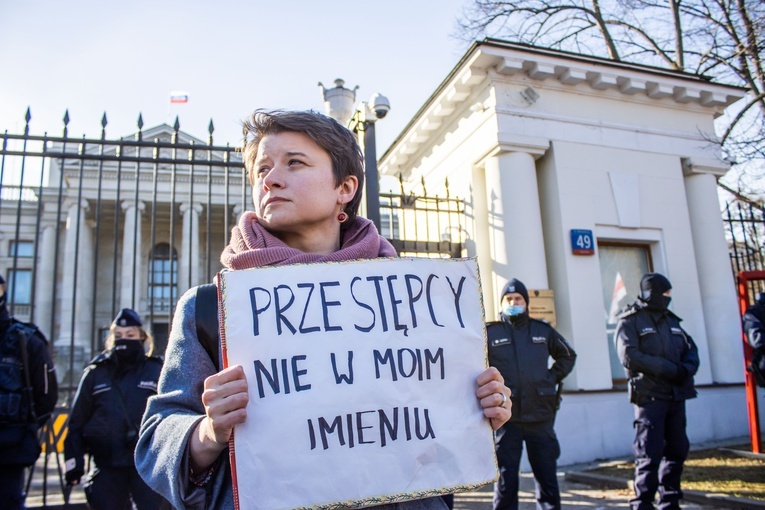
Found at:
[127, 333]
[294, 189]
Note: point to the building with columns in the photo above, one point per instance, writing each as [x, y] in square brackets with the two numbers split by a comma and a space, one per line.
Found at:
[128, 223]
[580, 175]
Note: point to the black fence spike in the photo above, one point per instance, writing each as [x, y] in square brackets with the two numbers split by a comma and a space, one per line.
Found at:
[140, 121]
[27, 118]
[104, 121]
[66, 117]
[177, 125]
[211, 127]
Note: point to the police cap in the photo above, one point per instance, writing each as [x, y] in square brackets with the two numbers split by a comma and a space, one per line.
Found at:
[126, 318]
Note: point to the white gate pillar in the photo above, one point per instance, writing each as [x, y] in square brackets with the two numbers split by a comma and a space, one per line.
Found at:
[132, 255]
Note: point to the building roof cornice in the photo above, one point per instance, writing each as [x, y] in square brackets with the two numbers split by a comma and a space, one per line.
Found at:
[496, 57]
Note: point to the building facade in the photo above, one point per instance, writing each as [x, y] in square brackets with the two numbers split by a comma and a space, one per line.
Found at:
[111, 224]
[583, 174]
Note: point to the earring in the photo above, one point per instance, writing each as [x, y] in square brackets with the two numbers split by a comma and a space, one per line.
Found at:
[342, 217]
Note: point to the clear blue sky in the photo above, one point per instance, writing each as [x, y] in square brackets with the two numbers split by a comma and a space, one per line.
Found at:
[122, 58]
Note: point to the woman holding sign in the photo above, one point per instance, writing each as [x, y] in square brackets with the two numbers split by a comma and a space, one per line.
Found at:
[307, 174]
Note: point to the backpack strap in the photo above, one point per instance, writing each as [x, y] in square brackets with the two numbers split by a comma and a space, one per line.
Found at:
[206, 316]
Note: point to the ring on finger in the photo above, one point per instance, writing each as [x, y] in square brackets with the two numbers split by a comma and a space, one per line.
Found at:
[504, 400]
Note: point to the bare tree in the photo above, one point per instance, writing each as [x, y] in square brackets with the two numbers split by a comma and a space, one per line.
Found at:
[722, 40]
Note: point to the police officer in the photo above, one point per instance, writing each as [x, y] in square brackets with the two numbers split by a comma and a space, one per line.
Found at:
[106, 416]
[520, 348]
[28, 394]
[661, 360]
[754, 327]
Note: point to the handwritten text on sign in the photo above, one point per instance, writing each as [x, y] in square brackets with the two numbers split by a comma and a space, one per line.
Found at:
[362, 381]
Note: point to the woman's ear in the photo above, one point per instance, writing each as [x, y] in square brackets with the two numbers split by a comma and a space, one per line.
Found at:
[347, 189]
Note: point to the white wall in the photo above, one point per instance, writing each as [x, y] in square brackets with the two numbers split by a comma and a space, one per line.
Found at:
[598, 425]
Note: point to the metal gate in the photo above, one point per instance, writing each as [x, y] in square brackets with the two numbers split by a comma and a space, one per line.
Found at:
[91, 225]
[745, 233]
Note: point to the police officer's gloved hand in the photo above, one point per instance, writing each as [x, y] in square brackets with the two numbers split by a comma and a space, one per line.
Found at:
[682, 373]
[74, 471]
[73, 477]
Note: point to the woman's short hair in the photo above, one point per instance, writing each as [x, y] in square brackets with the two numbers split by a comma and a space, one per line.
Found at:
[146, 338]
[326, 132]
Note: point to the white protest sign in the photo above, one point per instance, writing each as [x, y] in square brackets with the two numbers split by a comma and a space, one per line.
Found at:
[361, 378]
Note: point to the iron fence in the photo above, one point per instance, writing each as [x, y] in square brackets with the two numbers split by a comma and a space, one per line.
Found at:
[90, 225]
[745, 233]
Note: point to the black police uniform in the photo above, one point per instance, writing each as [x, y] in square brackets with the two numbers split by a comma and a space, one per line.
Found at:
[106, 416]
[661, 360]
[18, 425]
[520, 347]
[754, 327]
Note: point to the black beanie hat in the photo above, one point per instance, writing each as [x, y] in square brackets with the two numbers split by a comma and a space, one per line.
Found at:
[653, 285]
[126, 318]
[515, 286]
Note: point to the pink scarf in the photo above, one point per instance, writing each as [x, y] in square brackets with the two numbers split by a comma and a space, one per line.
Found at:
[252, 245]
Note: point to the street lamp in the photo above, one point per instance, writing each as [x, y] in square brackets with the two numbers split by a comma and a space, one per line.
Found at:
[338, 103]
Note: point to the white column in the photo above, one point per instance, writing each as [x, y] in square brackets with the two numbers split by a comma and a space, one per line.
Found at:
[237, 212]
[130, 282]
[85, 284]
[515, 221]
[718, 291]
[76, 304]
[483, 243]
[189, 268]
[46, 279]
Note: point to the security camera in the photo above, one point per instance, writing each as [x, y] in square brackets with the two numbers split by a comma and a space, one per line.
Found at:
[379, 104]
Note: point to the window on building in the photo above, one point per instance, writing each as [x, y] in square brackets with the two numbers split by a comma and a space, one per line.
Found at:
[22, 249]
[163, 271]
[389, 221]
[622, 266]
[20, 286]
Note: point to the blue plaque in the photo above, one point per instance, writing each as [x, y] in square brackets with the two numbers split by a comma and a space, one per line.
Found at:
[582, 242]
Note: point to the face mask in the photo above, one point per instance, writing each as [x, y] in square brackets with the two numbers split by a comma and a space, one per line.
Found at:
[659, 302]
[128, 349]
[512, 310]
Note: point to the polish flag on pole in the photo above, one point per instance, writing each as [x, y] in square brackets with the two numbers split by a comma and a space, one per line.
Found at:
[179, 96]
[620, 292]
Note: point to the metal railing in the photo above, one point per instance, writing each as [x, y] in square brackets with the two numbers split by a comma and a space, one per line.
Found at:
[745, 233]
[90, 225]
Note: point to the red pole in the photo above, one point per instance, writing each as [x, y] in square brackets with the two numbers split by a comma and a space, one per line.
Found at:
[751, 387]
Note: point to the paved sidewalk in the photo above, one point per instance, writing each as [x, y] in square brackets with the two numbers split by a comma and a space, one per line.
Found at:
[579, 490]
[574, 495]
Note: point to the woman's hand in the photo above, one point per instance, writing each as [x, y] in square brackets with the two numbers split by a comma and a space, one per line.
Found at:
[494, 397]
[224, 398]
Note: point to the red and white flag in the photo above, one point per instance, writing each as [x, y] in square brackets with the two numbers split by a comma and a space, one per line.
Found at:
[179, 96]
[620, 292]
